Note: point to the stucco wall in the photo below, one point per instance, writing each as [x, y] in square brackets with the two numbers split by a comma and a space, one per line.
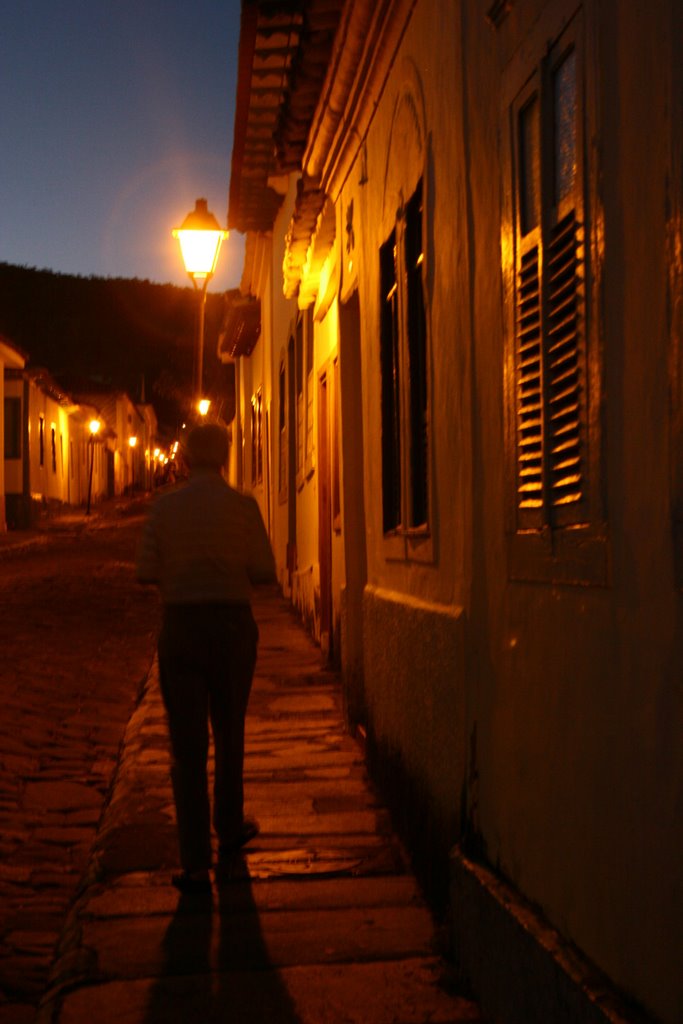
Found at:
[414, 689]
[414, 633]
[576, 712]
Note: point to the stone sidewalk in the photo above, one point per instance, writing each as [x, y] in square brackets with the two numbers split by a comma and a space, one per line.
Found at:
[321, 921]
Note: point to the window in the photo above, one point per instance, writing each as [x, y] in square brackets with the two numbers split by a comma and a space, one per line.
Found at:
[12, 428]
[403, 364]
[336, 483]
[299, 360]
[41, 440]
[308, 341]
[257, 438]
[53, 447]
[282, 432]
[552, 428]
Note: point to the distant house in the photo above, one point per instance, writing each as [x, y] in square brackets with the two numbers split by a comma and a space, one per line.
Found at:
[149, 426]
[128, 465]
[51, 457]
[458, 360]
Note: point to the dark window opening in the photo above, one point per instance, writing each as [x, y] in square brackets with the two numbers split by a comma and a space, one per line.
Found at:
[389, 356]
[417, 353]
[12, 428]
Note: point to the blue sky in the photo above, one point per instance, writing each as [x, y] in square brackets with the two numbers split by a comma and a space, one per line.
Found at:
[115, 115]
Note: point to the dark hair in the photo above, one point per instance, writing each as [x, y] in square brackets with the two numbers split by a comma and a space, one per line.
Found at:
[207, 445]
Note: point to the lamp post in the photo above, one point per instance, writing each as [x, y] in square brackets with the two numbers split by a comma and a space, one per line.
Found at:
[94, 427]
[200, 237]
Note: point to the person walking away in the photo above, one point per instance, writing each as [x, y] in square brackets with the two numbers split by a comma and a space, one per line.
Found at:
[204, 544]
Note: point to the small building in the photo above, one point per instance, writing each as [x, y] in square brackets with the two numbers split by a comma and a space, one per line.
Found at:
[147, 442]
[52, 459]
[126, 421]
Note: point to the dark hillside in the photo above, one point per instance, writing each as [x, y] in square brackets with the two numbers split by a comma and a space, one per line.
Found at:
[112, 333]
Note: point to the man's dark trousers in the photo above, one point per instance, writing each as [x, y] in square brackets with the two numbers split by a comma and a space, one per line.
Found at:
[207, 654]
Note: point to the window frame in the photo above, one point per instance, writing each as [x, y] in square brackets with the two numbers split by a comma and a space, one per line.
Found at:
[257, 438]
[556, 547]
[283, 439]
[310, 391]
[407, 397]
[300, 376]
[41, 441]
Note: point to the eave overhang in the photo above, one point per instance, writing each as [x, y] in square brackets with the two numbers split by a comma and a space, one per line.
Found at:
[368, 37]
[284, 54]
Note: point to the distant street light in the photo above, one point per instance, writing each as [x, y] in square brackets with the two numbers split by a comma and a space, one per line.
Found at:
[204, 404]
[132, 442]
[200, 237]
[94, 427]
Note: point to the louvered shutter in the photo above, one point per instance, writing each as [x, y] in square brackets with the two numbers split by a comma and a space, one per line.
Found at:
[529, 398]
[550, 355]
[529, 388]
[565, 329]
[565, 346]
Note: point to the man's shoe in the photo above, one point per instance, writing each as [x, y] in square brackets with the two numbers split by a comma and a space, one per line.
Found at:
[191, 883]
[250, 829]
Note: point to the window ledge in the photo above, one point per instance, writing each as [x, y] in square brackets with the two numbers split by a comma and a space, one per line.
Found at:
[574, 556]
[410, 545]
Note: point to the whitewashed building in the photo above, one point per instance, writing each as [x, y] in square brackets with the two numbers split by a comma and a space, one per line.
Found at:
[52, 459]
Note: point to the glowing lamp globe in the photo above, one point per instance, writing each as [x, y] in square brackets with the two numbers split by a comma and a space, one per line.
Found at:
[200, 237]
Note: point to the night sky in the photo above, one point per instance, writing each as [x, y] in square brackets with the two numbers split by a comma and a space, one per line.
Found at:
[115, 115]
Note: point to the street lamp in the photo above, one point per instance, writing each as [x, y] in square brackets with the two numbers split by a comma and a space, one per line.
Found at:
[94, 427]
[200, 237]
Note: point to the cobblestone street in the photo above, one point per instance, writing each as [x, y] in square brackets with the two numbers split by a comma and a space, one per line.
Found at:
[77, 638]
[321, 921]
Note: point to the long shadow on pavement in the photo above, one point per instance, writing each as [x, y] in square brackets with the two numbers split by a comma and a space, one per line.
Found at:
[216, 965]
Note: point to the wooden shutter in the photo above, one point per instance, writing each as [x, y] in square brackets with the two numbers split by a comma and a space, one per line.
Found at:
[565, 329]
[529, 382]
[565, 362]
[529, 386]
[550, 356]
